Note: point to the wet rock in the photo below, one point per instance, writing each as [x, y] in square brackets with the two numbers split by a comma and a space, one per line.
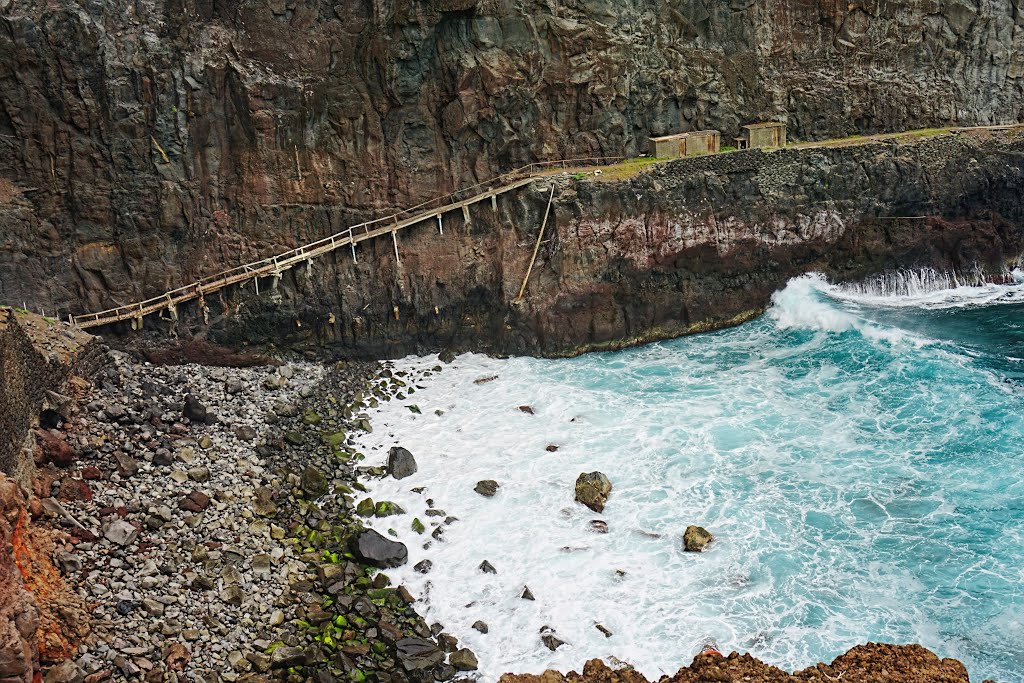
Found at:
[423, 566]
[598, 526]
[417, 525]
[593, 490]
[386, 508]
[120, 532]
[550, 640]
[313, 482]
[696, 539]
[526, 409]
[487, 568]
[401, 464]
[480, 626]
[376, 550]
[607, 633]
[293, 438]
[446, 356]
[463, 660]
[415, 654]
[447, 642]
[486, 488]
[366, 507]
[485, 380]
[527, 594]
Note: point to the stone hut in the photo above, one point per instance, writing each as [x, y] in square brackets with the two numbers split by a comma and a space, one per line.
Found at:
[768, 134]
[694, 143]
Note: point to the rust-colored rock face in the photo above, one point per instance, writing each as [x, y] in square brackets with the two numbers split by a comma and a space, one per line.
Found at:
[143, 146]
[863, 664]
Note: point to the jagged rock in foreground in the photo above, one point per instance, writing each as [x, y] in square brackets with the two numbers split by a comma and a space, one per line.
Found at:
[863, 664]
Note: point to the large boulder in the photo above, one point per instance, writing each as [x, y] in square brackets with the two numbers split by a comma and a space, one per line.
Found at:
[416, 654]
[401, 464]
[486, 488]
[592, 490]
[373, 549]
[313, 482]
[696, 538]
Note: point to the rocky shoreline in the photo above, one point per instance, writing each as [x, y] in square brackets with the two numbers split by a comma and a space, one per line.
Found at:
[206, 517]
[203, 523]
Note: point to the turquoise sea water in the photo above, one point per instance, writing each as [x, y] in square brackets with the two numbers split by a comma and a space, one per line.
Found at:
[858, 454]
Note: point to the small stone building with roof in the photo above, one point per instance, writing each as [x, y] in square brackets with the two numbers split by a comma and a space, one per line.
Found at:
[762, 135]
[694, 143]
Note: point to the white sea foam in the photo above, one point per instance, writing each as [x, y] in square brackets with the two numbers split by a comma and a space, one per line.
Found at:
[840, 480]
[931, 289]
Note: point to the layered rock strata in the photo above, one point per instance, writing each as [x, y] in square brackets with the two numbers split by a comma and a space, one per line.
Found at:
[143, 144]
[688, 246]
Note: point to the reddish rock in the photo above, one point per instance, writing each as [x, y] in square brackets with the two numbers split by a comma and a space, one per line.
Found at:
[91, 473]
[196, 501]
[74, 489]
[56, 449]
[176, 656]
[863, 664]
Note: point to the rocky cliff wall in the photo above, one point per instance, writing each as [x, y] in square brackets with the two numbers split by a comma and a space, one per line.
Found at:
[37, 356]
[146, 142]
[687, 246]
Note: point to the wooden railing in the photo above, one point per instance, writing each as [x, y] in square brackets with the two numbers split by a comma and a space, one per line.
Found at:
[350, 236]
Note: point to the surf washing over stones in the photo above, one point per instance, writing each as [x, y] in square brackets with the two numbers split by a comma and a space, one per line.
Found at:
[855, 452]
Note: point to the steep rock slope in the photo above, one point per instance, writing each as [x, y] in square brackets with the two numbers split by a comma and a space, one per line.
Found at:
[145, 142]
[688, 246]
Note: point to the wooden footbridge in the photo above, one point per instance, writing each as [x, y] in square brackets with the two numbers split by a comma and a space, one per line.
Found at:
[274, 266]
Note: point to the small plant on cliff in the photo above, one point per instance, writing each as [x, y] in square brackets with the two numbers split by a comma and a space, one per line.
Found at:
[579, 176]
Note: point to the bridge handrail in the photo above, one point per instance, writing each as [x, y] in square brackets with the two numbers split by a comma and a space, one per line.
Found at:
[344, 237]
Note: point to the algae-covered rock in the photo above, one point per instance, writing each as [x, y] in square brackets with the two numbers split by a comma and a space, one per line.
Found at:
[593, 490]
[365, 508]
[696, 538]
[311, 417]
[386, 508]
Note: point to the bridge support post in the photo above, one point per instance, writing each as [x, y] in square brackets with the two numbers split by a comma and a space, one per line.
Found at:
[494, 203]
[394, 238]
[440, 226]
[465, 216]
[352, 244]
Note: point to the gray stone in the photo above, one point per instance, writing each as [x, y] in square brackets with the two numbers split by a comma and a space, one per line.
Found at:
[415, 654]
[401, 464]
[120, 532]
[372, 548]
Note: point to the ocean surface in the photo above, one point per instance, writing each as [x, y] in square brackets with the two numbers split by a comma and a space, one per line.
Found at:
[858, 453]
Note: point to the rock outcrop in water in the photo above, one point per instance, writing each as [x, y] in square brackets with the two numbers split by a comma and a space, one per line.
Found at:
[863, 664]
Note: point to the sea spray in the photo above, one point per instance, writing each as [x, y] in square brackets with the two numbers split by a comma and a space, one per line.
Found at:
[858, 464]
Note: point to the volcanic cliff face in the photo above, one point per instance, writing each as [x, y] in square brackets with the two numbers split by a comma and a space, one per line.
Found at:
[688, 246]
[145, 143]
